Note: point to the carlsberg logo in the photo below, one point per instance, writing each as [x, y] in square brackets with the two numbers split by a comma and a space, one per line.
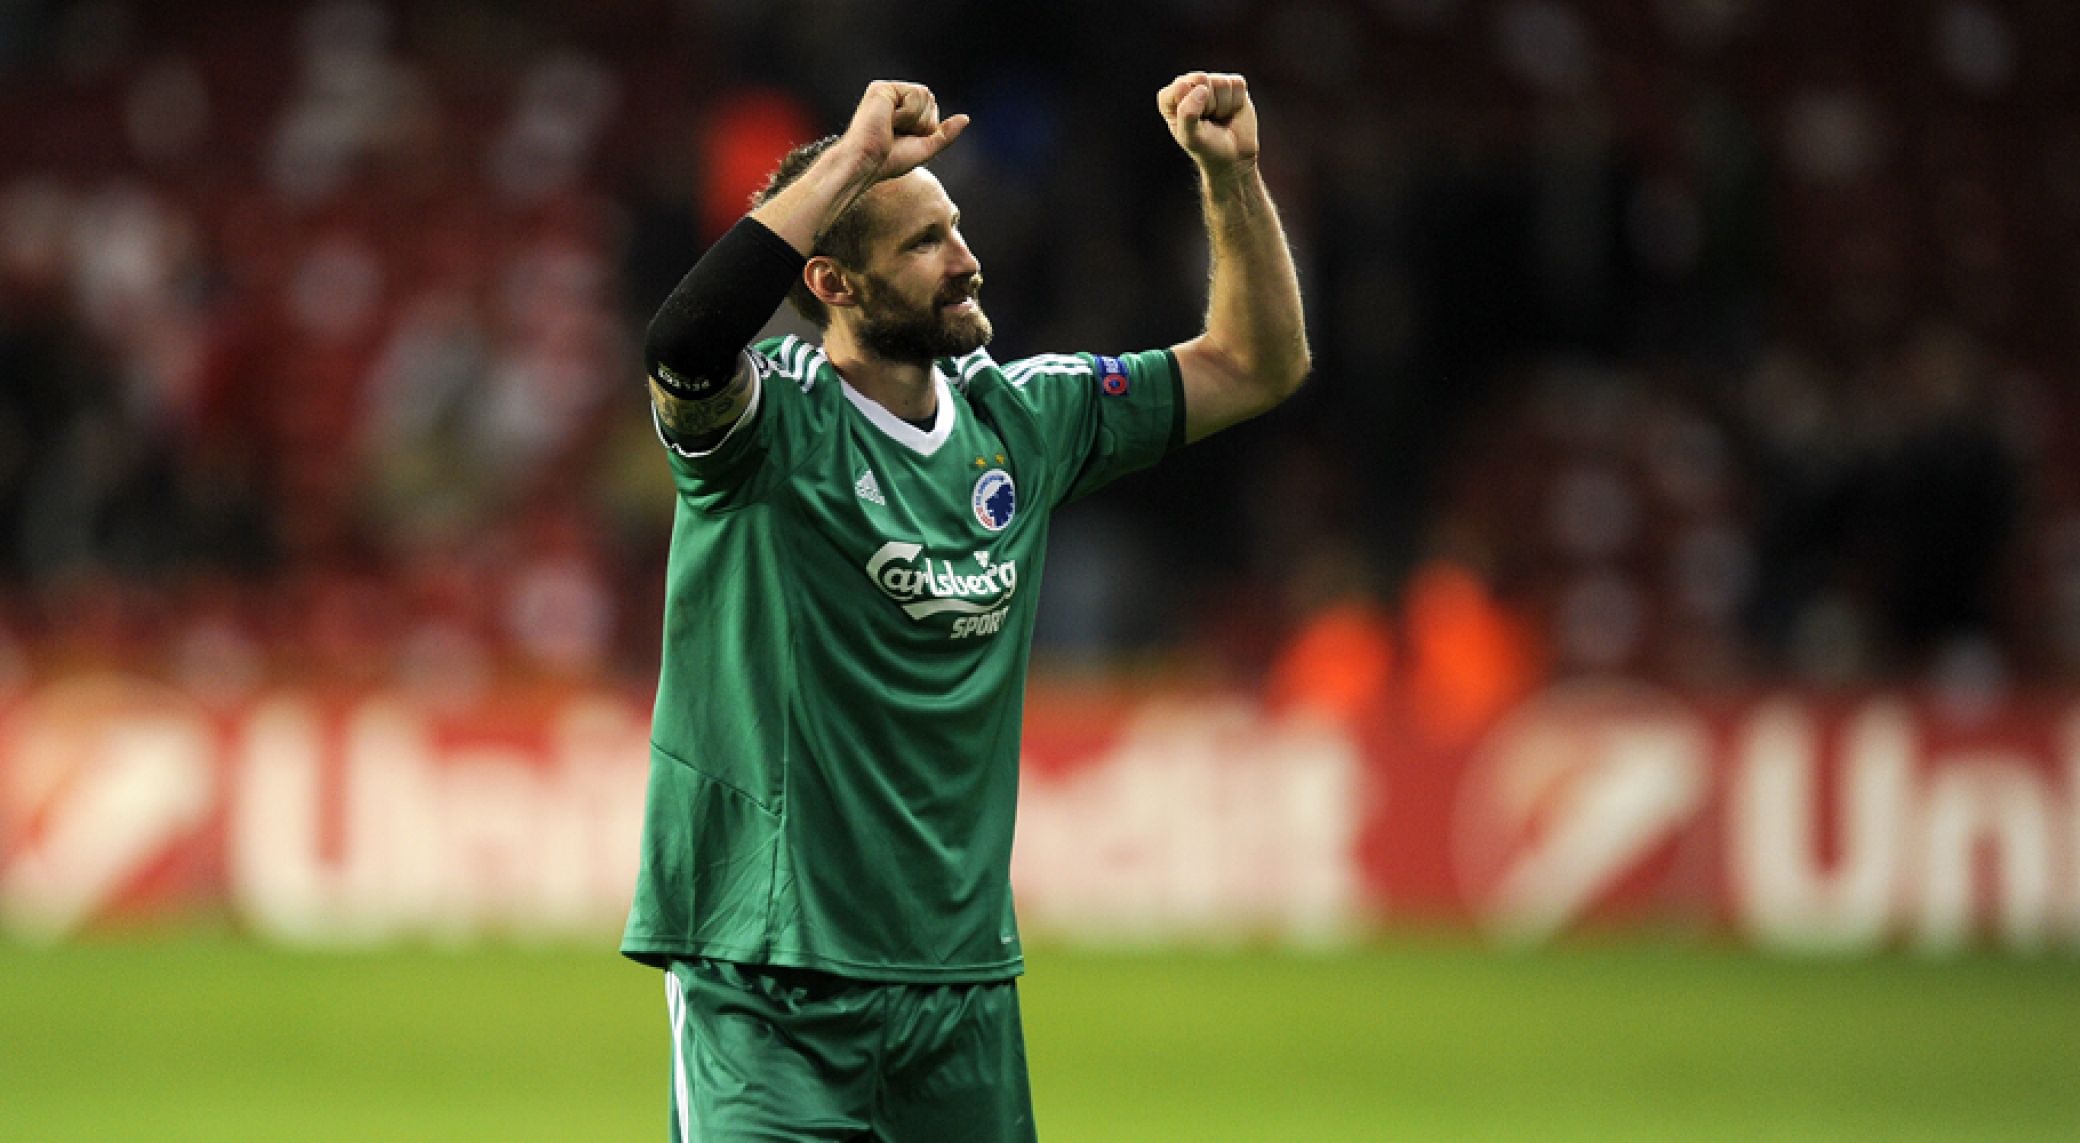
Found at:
[930, 586]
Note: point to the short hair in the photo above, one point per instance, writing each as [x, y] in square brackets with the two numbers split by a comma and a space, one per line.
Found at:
[845, 240]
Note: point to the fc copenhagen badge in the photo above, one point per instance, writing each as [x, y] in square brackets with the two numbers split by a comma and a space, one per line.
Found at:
[995, 499]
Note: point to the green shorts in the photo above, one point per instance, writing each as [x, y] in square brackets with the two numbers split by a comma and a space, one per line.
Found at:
[782, 1054]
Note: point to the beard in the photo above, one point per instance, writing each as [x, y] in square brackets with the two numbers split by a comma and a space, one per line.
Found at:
[895, 330]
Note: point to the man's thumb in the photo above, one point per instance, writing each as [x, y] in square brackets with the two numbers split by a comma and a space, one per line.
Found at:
[1193, 106]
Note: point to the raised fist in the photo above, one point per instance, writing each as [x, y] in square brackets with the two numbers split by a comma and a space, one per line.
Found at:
[1211, 117]
[896, 127]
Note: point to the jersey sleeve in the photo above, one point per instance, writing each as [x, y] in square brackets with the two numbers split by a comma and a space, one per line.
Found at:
[765, 444]
[1103, 416]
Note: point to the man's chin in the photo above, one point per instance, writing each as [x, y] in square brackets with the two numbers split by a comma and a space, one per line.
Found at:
[953, 335]
[960, 334]
[968, 333]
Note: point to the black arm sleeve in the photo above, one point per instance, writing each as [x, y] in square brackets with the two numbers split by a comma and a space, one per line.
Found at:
[692, 346]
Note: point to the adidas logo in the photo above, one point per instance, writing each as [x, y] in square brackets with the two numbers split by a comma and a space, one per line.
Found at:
[868, 488]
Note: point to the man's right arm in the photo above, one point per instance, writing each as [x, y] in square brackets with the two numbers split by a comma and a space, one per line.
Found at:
[700, 382]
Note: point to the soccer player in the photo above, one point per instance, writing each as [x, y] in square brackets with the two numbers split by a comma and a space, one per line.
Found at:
[826, 852]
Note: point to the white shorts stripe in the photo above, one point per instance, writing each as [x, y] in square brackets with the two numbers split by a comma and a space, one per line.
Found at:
[675, 1008]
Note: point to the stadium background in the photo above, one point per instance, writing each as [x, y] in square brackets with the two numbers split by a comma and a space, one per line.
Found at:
[1629, 693]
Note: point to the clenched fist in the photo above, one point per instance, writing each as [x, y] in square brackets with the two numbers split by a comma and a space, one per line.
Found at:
[1211, 117]
[896, 127]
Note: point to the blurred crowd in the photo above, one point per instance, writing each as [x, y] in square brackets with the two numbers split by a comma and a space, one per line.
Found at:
[1713, 341]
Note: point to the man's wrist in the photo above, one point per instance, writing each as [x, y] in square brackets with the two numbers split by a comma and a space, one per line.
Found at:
[849, 169]
[800, 214]
[850, 163]
[1229, 175]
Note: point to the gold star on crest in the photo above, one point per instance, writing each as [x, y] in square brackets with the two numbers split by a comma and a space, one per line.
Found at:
[1000, 458]
[979, 462]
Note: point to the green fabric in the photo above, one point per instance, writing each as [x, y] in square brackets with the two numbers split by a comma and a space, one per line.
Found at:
[787, 1054]
[849, 606]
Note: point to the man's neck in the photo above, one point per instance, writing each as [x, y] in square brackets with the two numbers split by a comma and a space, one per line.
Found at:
[904, 388]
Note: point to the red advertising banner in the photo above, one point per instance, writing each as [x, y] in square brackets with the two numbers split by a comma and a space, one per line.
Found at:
[1836, 824]
[1803, 823]
[320, 817]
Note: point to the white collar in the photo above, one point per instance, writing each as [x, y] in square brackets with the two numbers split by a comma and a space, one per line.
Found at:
[901, 431]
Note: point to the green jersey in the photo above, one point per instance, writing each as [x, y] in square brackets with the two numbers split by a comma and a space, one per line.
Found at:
[849, 607]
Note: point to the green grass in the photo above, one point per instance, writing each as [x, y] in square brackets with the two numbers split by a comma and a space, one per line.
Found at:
[205, 1038]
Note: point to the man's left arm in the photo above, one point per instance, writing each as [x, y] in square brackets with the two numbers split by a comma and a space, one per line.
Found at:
[1253, 353]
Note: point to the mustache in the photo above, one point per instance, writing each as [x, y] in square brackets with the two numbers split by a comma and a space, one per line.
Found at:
[961, 290]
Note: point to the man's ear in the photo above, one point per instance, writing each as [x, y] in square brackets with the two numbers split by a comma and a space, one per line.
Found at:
[829, 282]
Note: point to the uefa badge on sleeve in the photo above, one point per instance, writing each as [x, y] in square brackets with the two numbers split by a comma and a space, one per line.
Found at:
[995, 499]
[1112, 377]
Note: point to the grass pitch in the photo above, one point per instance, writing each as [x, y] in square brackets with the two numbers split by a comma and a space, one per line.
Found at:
[206, 1038]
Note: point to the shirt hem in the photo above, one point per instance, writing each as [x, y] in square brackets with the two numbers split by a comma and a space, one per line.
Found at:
[659, 954]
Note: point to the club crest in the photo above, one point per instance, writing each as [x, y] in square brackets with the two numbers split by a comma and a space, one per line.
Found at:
[995, 499]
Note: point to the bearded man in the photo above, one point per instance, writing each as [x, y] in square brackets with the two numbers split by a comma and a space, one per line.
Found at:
[855, 561]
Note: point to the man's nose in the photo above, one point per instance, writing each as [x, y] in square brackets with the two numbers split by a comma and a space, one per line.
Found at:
[964, 260]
